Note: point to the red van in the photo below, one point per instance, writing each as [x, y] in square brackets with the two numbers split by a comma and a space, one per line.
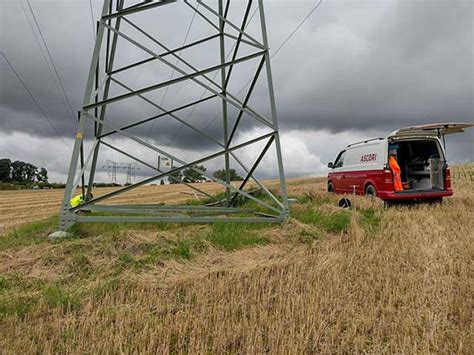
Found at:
[363, 168]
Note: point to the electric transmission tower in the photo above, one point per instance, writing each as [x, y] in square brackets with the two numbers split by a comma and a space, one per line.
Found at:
[112, 167]
[114, 86]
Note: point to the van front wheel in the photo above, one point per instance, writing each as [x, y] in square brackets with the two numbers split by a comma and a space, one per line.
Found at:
[370, 191]
[330, 187]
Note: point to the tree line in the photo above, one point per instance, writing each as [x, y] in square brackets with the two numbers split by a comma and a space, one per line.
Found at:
[190, 175]
[24, 174]
[20, 172]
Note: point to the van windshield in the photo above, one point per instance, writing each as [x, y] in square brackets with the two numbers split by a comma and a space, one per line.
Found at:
[340, 159]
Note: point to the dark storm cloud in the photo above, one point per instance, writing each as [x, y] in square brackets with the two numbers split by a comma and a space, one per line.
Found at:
[69, 38]
[413, 65]
[356, 66]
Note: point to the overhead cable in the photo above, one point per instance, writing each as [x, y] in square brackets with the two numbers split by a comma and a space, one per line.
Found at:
[276, 51]
[34, 99]
[174, 70]
[68, 103]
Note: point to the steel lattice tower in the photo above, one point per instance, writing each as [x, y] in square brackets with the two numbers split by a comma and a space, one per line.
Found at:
[99, 99]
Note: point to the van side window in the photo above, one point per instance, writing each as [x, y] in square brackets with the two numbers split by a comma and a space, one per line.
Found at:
[340, 159]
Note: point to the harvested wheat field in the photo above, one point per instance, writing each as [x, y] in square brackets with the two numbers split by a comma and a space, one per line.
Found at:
[23, 206]
[368, 279]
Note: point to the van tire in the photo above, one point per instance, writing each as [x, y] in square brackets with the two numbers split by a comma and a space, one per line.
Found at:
[436, 201]
[370, 191]
[331, 187]
[388, 203]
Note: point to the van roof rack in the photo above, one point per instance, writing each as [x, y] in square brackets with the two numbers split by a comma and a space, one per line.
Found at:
[368, 140]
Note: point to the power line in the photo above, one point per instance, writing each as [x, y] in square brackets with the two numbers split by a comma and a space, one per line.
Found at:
[297, 28]
[48, 65]
[205, 90]
[226, 57]
[174, 70]
[275, 52]
[33, 98]
[92, 18]
[68, 103]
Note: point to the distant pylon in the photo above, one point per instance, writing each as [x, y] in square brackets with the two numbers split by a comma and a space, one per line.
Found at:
[112, 167]
[107, 90]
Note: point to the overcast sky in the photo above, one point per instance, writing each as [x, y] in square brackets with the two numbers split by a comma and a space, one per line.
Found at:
[354, 70]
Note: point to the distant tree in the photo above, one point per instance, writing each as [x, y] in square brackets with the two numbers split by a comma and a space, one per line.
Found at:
[220, 174]
[18, 171]
[175, 178]
[162, 182]
[23, 172]
[191, 175]
[5, 169]
[42, 175]
[30, 172]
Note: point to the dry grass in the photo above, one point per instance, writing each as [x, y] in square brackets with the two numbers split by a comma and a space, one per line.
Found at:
[383, 281]
[24, 206]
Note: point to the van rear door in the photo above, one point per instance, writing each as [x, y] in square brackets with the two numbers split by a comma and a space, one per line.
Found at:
[431, 130]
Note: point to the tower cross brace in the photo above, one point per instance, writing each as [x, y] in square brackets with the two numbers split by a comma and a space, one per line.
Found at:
[98, 98]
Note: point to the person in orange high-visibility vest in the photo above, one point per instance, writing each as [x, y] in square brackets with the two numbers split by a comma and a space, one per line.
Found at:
[393, 164]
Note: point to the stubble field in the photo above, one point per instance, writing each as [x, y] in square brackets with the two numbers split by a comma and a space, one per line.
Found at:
[368, 279]
[23, 206]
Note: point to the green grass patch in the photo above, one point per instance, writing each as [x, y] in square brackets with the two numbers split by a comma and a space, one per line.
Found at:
[370, 219]
[182, 249]
[156, 253]
[315, 200]
[153, 254]
[206, 200]
[20, 295]
[19, 283]
[55, 296]
[28, 234]
[80, 263]
[126, 260]
[86, 230]
[334, 222]
[4, 283]
[16, 305]
[13, 299]
[232, 236]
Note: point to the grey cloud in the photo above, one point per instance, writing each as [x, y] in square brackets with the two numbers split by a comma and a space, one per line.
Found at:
[354, 66]
[413, 66]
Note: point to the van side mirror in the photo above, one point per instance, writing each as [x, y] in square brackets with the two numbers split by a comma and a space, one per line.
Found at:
[330, 165]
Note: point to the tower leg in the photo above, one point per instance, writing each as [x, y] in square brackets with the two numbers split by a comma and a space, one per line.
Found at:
[281, 171]
[224, 102]
[66, 217]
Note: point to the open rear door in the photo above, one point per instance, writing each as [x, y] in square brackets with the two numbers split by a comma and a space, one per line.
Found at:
[433, 130]
[439, 173]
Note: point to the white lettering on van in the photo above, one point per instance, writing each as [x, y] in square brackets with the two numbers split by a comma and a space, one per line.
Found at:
[368, 157]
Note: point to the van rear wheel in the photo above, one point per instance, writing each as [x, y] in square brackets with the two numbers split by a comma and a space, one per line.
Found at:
[435, 201]
[370, 191]
[330, 187]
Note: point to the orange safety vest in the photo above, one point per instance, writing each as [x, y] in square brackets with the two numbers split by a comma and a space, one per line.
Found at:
[397, 182]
